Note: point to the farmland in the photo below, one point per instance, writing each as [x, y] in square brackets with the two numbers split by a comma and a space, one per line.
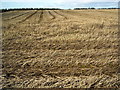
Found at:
[60, 48]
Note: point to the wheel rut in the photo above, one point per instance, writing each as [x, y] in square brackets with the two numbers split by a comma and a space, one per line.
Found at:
[41, 16]
[17, 16]
[28, 17]
[61, 15]
[52, 15]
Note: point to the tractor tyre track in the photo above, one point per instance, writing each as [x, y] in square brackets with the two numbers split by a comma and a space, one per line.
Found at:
[27, 17]
[17, 16]
[41, 16]
[52, 15]
[61, 15]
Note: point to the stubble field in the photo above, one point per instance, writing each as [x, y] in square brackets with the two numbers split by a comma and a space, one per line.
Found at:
[60, 48]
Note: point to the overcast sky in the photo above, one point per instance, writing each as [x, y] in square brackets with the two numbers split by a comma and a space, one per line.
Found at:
[58, 3]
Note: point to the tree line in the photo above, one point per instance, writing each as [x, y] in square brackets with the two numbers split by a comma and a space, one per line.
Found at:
[6, 10]
[82, 8]
[93, 8]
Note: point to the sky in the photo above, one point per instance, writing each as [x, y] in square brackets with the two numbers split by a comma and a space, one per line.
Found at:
[63, 4]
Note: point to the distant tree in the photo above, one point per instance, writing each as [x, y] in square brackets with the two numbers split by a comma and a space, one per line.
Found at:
[6, 10]
[80, 8]
[92, 8]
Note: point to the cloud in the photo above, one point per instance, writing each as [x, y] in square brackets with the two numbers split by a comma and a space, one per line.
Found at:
[58, 3]
[45, 1]
[61, 1]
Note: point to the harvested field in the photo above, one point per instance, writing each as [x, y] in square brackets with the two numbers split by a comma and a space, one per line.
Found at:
[60, 48]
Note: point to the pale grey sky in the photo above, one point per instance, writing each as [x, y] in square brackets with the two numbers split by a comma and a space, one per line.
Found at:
[58, 3]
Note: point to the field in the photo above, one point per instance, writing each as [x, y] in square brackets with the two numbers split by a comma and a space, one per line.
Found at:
[60, 48]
